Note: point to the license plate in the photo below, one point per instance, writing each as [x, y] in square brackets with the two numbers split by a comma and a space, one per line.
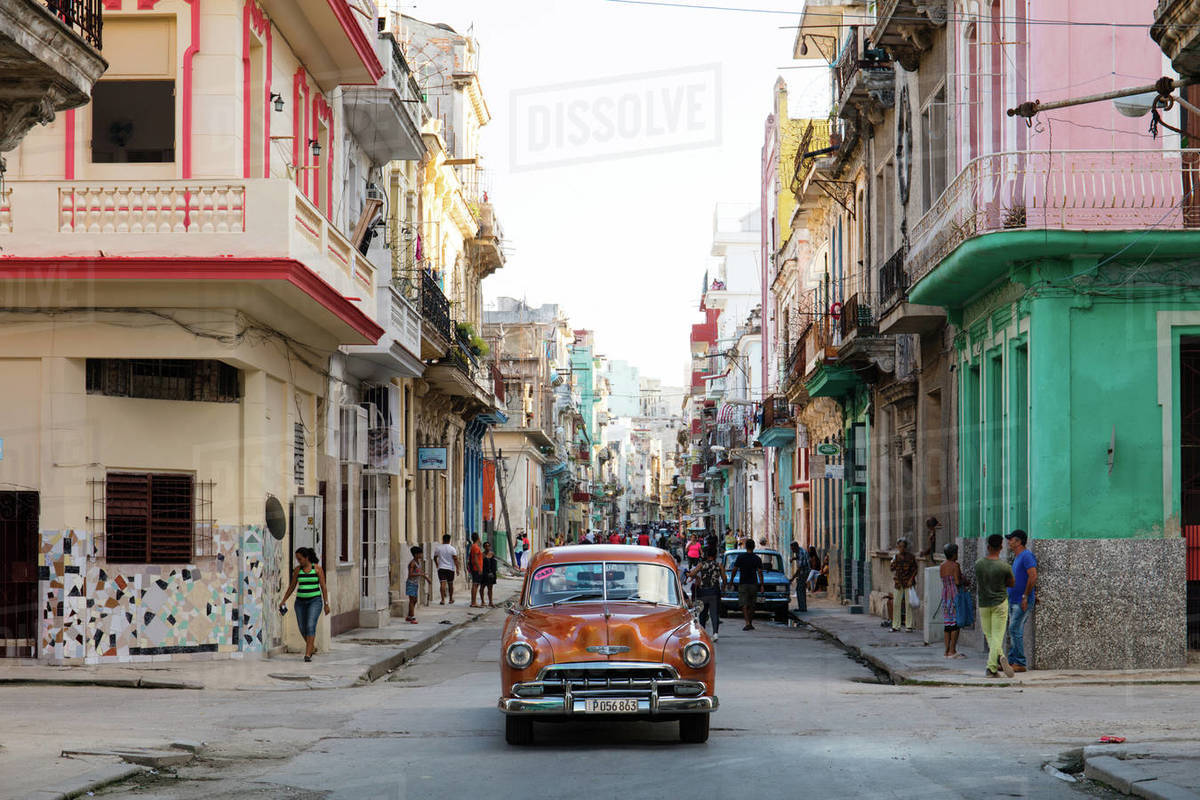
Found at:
[610, 705]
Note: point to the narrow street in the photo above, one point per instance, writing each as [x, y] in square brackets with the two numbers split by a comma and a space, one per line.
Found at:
[798, 718]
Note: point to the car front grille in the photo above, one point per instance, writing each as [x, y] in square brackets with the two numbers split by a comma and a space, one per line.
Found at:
[598, 680]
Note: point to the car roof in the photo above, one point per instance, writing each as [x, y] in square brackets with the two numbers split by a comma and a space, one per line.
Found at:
[758, 550]
[572, 554]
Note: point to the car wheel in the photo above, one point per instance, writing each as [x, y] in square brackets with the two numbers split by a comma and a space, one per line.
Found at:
[518, 731]
[693, 728]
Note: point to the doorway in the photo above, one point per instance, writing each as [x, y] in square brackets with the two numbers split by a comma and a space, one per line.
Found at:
[18, 574]
[1189, 476]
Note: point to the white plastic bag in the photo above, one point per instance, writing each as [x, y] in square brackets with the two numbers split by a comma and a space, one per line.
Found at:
[914, 600]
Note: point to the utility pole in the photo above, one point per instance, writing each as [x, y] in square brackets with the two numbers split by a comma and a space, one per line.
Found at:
[500, 470]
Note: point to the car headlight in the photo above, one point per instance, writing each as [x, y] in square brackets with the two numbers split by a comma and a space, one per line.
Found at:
[696, 655]
[519, 655]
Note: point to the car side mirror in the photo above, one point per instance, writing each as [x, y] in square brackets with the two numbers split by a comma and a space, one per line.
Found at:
[512, 610]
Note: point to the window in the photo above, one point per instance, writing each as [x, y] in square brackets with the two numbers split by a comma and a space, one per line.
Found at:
[151, 518]
[164, 379]
[133, 122]
[933, 149]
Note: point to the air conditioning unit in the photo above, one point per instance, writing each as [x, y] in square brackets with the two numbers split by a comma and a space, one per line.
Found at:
[352, 440]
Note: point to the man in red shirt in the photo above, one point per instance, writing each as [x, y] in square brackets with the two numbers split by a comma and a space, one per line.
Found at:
[644, 538]
[614, 538]
[475, 567]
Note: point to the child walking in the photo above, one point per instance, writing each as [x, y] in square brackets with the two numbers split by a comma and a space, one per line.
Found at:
[412, 586]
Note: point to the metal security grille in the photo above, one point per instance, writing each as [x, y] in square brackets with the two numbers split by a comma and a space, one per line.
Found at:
[374, 550]
[298, 453]
[201, 380]
[85, 17]
[18, 574]
[153, 518]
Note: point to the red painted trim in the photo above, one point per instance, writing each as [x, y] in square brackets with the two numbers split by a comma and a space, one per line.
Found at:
[194, 269]
[298, 112]
[189, 56]
[255, 22]
[147, 5]
[362, 45]
[323, 113]
[267, 109]
[69, 148]
[247, 106]
[112, 5]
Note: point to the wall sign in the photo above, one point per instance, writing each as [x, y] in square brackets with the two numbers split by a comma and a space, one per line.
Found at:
[828, 449]
[432, 458]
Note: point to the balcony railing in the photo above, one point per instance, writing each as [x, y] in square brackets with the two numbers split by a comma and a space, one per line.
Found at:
[205, 219]
[85, 17]
[777, 413]
[1061, 190]
[435, 308]
[893, 280]
[857, 316]
[847, 64]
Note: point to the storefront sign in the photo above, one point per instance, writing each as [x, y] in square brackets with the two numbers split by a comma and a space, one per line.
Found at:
[816, 466]
[432, 458]
[835, 472]
[828, 449]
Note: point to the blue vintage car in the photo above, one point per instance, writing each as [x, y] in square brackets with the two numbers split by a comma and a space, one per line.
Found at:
[775, 593]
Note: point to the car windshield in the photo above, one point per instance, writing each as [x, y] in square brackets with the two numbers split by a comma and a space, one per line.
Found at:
[771, 561]
[603, 580]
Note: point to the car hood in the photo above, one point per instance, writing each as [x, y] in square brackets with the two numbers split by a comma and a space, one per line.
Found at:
[637, 631]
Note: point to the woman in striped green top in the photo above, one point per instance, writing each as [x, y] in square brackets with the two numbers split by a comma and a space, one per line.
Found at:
[308, 582]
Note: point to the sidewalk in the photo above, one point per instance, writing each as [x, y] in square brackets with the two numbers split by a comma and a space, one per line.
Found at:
[362, 654]
[905, 657]
[1153, 770]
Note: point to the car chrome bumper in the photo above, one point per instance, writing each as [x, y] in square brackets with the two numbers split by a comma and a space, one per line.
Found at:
[558, 706]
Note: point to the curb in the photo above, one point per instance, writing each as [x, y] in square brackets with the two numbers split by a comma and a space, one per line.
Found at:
[1128, 778]
[894, 673]
[88, 782]
[385, 665]
[115, 683]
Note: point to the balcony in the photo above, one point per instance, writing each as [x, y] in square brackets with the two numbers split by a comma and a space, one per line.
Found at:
[864, 80]
[857, 318]
[334, 39]
[777, 424]
[817, 138]
[905, 28]
[51, 60]
[386, 117]
[487, 248]
[1066, 190]
[1176, 29]
[436, 329]
[896, 315]
[243, 232]
[398, 351]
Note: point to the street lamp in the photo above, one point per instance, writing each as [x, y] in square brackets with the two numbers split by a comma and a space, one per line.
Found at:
[315, 146]
[277, 101]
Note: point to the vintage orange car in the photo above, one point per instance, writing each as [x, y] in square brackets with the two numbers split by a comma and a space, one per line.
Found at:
[601, 631]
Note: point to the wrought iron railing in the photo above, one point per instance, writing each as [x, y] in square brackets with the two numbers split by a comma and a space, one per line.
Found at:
[85, 17]
[857, 316]
[435, 308]
[777, 413]
[1060, 190]
[847, 64]
[893, 280]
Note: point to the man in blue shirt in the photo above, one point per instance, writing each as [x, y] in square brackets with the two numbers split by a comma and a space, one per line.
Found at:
[1021, 597]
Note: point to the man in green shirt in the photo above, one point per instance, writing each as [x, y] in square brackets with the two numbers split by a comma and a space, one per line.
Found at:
[992, 578]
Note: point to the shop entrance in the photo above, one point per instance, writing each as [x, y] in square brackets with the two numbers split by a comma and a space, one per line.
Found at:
[1189, 469]
[18, 574]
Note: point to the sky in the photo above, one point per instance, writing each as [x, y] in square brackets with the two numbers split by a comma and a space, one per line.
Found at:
[615, 129]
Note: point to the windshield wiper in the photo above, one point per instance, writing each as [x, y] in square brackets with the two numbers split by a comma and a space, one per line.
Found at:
[638, 599]
[580, 596]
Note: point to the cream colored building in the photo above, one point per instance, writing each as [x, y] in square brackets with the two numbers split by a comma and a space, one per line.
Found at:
[193, 334]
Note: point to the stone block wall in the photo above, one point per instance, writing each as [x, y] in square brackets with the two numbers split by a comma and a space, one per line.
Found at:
[1110, 604]
[94, 612]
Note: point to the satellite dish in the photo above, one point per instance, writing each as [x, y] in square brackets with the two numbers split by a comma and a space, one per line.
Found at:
[276, 519]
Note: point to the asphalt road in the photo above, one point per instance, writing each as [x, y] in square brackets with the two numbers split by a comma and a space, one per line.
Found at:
[798, 718]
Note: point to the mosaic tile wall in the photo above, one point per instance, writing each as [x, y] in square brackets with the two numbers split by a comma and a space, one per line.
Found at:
[96, 613]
